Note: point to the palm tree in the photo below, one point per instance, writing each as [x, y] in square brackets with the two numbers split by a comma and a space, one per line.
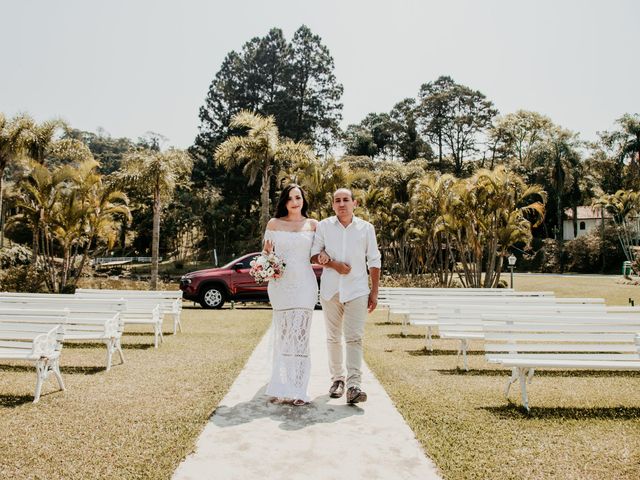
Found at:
[483, 217]
[556, 163]
[35, 199]
[430, 197]
[157, 173]
[259, 151]
[512, 209]
[625, 207]
[45, 144]
[67, 208]
[101, 204]
[13, 135]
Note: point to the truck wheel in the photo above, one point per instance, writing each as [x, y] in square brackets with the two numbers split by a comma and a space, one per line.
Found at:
[212, 297]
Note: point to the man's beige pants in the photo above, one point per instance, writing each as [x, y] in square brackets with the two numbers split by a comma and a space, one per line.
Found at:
[345, 319]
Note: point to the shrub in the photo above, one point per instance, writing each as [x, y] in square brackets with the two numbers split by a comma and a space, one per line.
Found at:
[22, 278]
[584, 254]
[15, 255]
[411, 281]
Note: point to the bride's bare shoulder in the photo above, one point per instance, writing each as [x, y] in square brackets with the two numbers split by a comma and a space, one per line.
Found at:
[272, 224]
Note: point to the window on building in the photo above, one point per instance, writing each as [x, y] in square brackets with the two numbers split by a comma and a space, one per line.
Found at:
[582, 226]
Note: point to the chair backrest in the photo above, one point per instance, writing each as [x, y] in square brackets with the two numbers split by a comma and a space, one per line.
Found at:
[460, 318]
[169, 294]
[40, 332]
[610, 336]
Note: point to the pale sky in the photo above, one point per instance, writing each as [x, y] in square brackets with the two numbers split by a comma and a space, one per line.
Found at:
[132, 66]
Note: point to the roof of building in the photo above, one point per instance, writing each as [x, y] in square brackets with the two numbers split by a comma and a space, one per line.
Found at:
[586, 213]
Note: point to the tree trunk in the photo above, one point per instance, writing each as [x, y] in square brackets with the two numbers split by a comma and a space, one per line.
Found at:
[264, 198]
[123, 236]
[155, 239]
[603, 248]
[560, 230]
[440, 150]
[1, 205]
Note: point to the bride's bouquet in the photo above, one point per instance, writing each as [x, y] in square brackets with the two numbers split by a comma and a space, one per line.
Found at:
[265, 267]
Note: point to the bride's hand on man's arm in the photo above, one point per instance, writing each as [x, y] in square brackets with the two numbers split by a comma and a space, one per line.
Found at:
[323, 258]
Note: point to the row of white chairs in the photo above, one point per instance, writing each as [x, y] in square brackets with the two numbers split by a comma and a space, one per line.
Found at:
[33, 327]
[529, 331]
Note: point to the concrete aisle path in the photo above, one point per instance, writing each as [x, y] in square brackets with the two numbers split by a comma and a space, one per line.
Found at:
[248, 437]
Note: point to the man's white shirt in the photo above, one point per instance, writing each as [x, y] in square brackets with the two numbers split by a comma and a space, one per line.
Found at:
[354, 245]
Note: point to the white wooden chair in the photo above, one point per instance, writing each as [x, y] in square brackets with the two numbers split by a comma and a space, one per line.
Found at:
[525, 343]
[464, 322]
[170, 300]
[137, 310]
[36, 339]
[422, 313]
[99, 321]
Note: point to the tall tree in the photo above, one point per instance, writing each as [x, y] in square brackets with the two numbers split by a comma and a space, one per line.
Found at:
[470, 114]
[373, 137]
[434, 104]
[517, 135]
[108, 151]
[316, 91]
[453, 116]
[157, 173]
[13, 141]
[555, 164]
[293, 81]
[409, 144]
[258, 152]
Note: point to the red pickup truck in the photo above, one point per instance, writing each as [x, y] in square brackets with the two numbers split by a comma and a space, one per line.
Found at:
[212, 287]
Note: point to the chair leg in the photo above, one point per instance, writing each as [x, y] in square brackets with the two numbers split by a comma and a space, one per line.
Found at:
[157, 329]
[118, 346]
[177, 325]
[522, 374]
[511, 381]
[110, 348]
[55, 368]
[41, 375]
[429, 340]
[464, 347]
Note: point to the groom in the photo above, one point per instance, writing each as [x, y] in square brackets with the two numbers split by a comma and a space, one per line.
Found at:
[346, 245]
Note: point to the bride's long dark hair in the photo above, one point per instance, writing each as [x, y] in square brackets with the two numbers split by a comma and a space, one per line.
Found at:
[281, 208]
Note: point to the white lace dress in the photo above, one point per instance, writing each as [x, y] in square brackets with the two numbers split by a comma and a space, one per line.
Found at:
[292, 297]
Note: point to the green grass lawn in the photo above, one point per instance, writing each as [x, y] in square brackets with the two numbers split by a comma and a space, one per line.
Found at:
[137, 421]
[582, 425]
[613, 288]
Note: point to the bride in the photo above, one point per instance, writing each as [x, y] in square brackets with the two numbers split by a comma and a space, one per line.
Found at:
[292, 296]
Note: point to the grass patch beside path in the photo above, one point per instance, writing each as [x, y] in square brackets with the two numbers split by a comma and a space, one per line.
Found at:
[137, 421]
[610, 287]
[583, 425]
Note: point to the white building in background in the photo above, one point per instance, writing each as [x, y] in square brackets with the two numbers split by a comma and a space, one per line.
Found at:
[589, 218]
